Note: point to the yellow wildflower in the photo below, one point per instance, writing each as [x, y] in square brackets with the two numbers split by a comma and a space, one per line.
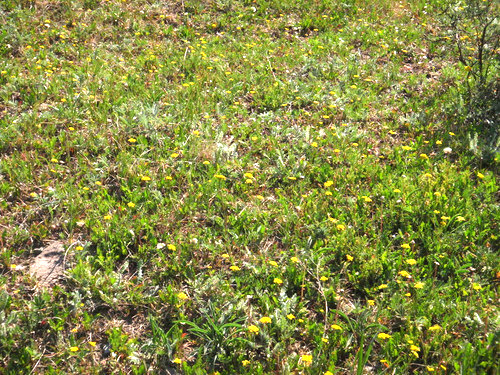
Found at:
[253, 329]
[419, 285]
[383, 336]
[435, 327]
[404, 274]
[307, 358]
[265, 320]
[182, 296]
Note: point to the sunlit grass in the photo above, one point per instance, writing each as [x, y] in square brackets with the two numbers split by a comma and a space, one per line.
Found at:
[241, 187]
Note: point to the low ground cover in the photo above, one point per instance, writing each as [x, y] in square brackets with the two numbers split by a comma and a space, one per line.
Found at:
[245, 187]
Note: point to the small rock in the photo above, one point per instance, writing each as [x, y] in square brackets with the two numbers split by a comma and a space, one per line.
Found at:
[47, 267]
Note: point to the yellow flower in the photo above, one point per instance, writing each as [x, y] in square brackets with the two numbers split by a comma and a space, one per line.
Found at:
[182, 296]
[314, 144]
[290, 317]
[340, 226]
[79, 248]
[253, 329]
[414, 348]
[371, 302]
[476, 286]
[328, 183]
[307, 358]
[419, 285]
[177, 361]
[424, 156]
[234, 268]
[405, 246]
[336, 327]
[221, 177]
[206, 162]
[277, 281]
[248, 175]
[146, 178]
[131, 204]
[174, 155]
[328, 373]
[430, 369]
[404, 274]
[324, 339]
[132, 140]
[367, 199]
[74, 349]
[273, 263]
[460, 218]
[480, 175]
[397, 191]
[295, 259]
[349, 258]
[265, 320]
[171, 247]
[245, 362]
[435, 327]
[383, 336]
[92, 343]
[107, 217]
[382, 286]
[411, 262]
[406, 148]
[323, 278]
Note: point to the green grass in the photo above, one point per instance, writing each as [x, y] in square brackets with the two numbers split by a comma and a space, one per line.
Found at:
[211, 163]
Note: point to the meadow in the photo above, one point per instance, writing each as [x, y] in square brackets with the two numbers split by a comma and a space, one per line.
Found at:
[250, 186]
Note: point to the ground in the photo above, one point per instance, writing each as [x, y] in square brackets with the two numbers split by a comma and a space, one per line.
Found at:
[248, 187]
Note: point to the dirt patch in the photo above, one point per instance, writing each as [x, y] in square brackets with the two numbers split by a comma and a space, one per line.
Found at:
[48, 266]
